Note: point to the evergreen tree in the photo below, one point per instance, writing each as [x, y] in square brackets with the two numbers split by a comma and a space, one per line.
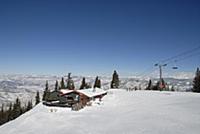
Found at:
[172, 89]
[115, 80]
[17, 110]
[10, 112]
[196, 82]
[2, 108]
[62, 84]
[29, 106]
[56, 86]
[2, 115]
[136, 88]
[83, 84]
[97, 83]
[149, 87]
[45, 94]
[37, 98]
[70, 82]
[14, 111]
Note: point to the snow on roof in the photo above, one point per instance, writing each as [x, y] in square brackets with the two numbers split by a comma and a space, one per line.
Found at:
[66, 91]
[92, 92]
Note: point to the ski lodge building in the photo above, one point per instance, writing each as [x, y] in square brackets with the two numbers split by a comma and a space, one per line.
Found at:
[81, 96]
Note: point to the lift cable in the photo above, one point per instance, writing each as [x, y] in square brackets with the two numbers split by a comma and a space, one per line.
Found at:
[181, 54]
[180, 57]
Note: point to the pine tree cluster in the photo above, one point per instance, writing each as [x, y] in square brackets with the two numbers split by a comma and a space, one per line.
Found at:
[53, 95]
[15, 110]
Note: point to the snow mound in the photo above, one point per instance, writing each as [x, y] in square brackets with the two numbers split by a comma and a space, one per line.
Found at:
[120, 112]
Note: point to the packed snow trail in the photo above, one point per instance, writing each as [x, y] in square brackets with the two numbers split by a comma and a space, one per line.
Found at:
[120, 112]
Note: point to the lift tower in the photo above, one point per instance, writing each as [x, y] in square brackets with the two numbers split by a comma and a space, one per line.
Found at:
[161, 84]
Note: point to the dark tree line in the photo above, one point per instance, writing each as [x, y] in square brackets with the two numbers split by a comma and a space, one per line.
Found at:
[15, 109]
[52, 95]
[97, 83]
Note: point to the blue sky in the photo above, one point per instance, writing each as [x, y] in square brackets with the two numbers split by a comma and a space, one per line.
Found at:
[97, 36]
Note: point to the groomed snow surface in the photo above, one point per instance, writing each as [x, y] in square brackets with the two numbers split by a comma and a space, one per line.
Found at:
[120, 112]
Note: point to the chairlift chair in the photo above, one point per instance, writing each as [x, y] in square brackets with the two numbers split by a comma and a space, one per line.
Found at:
[175, 66]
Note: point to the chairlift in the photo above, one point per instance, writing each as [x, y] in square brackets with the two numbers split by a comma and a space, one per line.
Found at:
[165, 65]
[156, 65]
[175, 66]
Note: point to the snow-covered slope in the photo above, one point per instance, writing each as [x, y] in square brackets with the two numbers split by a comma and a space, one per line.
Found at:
[121, 112]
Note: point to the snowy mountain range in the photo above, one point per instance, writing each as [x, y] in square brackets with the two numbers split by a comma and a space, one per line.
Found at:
[25, 86]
